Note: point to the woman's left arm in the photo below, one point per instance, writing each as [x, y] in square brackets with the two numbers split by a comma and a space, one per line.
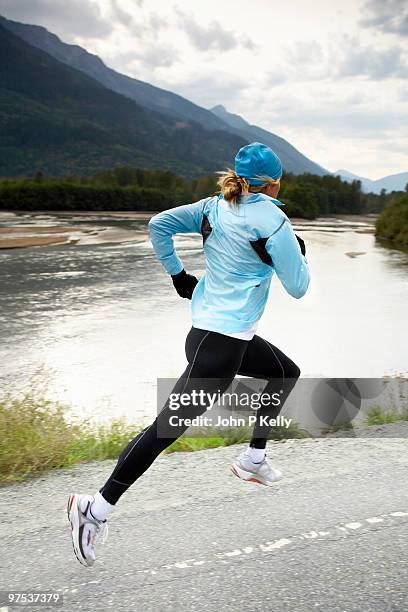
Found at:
[290, 264]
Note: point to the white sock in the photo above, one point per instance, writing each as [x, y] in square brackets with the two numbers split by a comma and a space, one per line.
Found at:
[100, 508]
[256, 455]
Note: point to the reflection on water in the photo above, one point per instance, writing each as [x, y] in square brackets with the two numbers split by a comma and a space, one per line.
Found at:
[104, 322]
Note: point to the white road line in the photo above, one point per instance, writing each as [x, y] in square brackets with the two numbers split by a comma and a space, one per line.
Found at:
[353, 525]
[276, 545]
[343, 530]
[309, 536]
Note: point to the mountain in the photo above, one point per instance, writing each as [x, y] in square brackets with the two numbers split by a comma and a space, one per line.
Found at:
[143, 93]
[58, 120]
[393, 182]
[158, 99]
[292, 160]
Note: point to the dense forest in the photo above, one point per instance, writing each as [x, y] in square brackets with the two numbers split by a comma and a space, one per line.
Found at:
[392, 224]
[132, 189]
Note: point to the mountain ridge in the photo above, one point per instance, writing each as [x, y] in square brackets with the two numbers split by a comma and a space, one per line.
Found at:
[161, 100]
[81, 59]
[390, 182]
[77, 125]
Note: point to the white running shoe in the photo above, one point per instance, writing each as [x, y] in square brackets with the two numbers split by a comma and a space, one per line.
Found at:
[261, 473]
[85, 529]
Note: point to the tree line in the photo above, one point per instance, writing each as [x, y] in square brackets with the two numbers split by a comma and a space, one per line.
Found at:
[131, 189]
[392, 224]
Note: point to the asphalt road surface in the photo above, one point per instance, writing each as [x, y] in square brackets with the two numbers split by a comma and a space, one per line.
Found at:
[332, 536]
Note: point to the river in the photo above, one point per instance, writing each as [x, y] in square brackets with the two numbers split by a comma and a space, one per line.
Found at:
[99, 321]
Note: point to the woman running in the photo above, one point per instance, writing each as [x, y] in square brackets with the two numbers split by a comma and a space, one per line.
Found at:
[246, 239]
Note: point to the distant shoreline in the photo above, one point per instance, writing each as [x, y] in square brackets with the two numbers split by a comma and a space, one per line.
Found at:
[47, 234]
[150, 213]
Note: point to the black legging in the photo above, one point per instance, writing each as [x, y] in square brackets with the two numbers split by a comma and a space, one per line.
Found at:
[214, 359]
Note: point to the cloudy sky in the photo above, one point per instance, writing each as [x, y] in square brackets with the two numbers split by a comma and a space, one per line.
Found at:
[329, 76]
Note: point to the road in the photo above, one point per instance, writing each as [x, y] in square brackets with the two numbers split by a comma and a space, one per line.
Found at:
[331, 536]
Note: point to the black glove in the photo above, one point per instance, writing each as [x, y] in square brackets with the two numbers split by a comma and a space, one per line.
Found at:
[184, 284]
[301, 244]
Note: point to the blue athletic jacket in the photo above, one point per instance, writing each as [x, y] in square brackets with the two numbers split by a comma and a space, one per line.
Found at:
[244, 245]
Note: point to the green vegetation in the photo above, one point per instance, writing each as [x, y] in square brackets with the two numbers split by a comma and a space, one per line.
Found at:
[64, 196]
[310, 195]
[392, 224]
[132, 189]
[127, 189]
[212, 438]
[36, 436]
[346, 426]
[377, 416]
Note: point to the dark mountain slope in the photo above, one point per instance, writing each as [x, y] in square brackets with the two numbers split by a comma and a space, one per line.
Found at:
[58, 120]
[145, 94]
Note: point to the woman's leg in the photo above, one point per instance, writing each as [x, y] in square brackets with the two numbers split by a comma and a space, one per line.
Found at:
[214, 360]
[264, 360]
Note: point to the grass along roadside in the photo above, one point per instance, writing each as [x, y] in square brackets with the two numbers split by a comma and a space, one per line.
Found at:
[37, 437]
[378, 416]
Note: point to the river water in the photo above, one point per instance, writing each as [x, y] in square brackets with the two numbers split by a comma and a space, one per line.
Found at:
[98, 323]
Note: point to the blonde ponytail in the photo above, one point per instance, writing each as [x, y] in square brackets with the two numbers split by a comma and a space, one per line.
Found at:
[232, 186]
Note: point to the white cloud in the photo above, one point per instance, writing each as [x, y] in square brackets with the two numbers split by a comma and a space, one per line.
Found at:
[212, 36]
[208, 88]
[136, 21]
[343, 57]
[81, 18]
[356, 127]
[124, 18]
[390, 16]
[149, 56]
[372, 62]
[403, 94]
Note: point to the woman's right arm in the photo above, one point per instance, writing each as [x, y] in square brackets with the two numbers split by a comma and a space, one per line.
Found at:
[179, 220]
